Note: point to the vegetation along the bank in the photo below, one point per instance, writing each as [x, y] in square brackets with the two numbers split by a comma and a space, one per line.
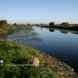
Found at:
[64, 25]
[16, 62]
[6, 28]
[21, 61]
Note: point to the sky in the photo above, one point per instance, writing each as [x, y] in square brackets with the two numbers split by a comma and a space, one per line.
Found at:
[39, 10]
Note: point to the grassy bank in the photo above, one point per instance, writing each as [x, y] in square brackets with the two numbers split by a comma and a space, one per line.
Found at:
[15, 56]
[7, 30]
[17, 63]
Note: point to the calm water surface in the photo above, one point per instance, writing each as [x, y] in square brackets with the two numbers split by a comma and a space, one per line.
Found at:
[59, 43]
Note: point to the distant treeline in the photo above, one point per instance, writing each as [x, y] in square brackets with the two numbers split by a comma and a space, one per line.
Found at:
[64, 25]
[6, 28]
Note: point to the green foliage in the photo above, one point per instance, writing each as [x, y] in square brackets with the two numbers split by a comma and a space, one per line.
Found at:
[6, 28]
[16, 54]
[4, 31]
[3, 22]
[51, 24]
[65, 24]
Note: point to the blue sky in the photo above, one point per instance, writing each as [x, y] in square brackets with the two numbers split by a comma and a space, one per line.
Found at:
[39, 10]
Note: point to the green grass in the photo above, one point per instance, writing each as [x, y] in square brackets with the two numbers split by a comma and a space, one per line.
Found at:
[7, 29]
[15, 55]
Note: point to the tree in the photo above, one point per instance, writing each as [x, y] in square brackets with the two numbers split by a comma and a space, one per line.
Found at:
[65, 24]
[51, 24]
[2, 22]
[14, 24]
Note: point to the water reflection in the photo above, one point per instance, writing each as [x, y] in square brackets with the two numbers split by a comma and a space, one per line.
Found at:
[64, 31]
[59, 43]
[74, 32]
[51, 29]
[26, 37]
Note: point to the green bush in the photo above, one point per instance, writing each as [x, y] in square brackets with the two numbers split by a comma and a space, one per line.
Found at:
[15, 54]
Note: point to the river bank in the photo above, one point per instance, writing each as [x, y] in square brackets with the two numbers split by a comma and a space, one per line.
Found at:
[14, 53]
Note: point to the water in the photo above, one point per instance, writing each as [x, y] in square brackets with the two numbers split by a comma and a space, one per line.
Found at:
[62, 44]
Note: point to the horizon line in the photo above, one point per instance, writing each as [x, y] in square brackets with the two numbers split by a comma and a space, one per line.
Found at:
[39, 22]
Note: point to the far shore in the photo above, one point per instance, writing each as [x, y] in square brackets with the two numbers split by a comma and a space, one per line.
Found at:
[66, 26]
